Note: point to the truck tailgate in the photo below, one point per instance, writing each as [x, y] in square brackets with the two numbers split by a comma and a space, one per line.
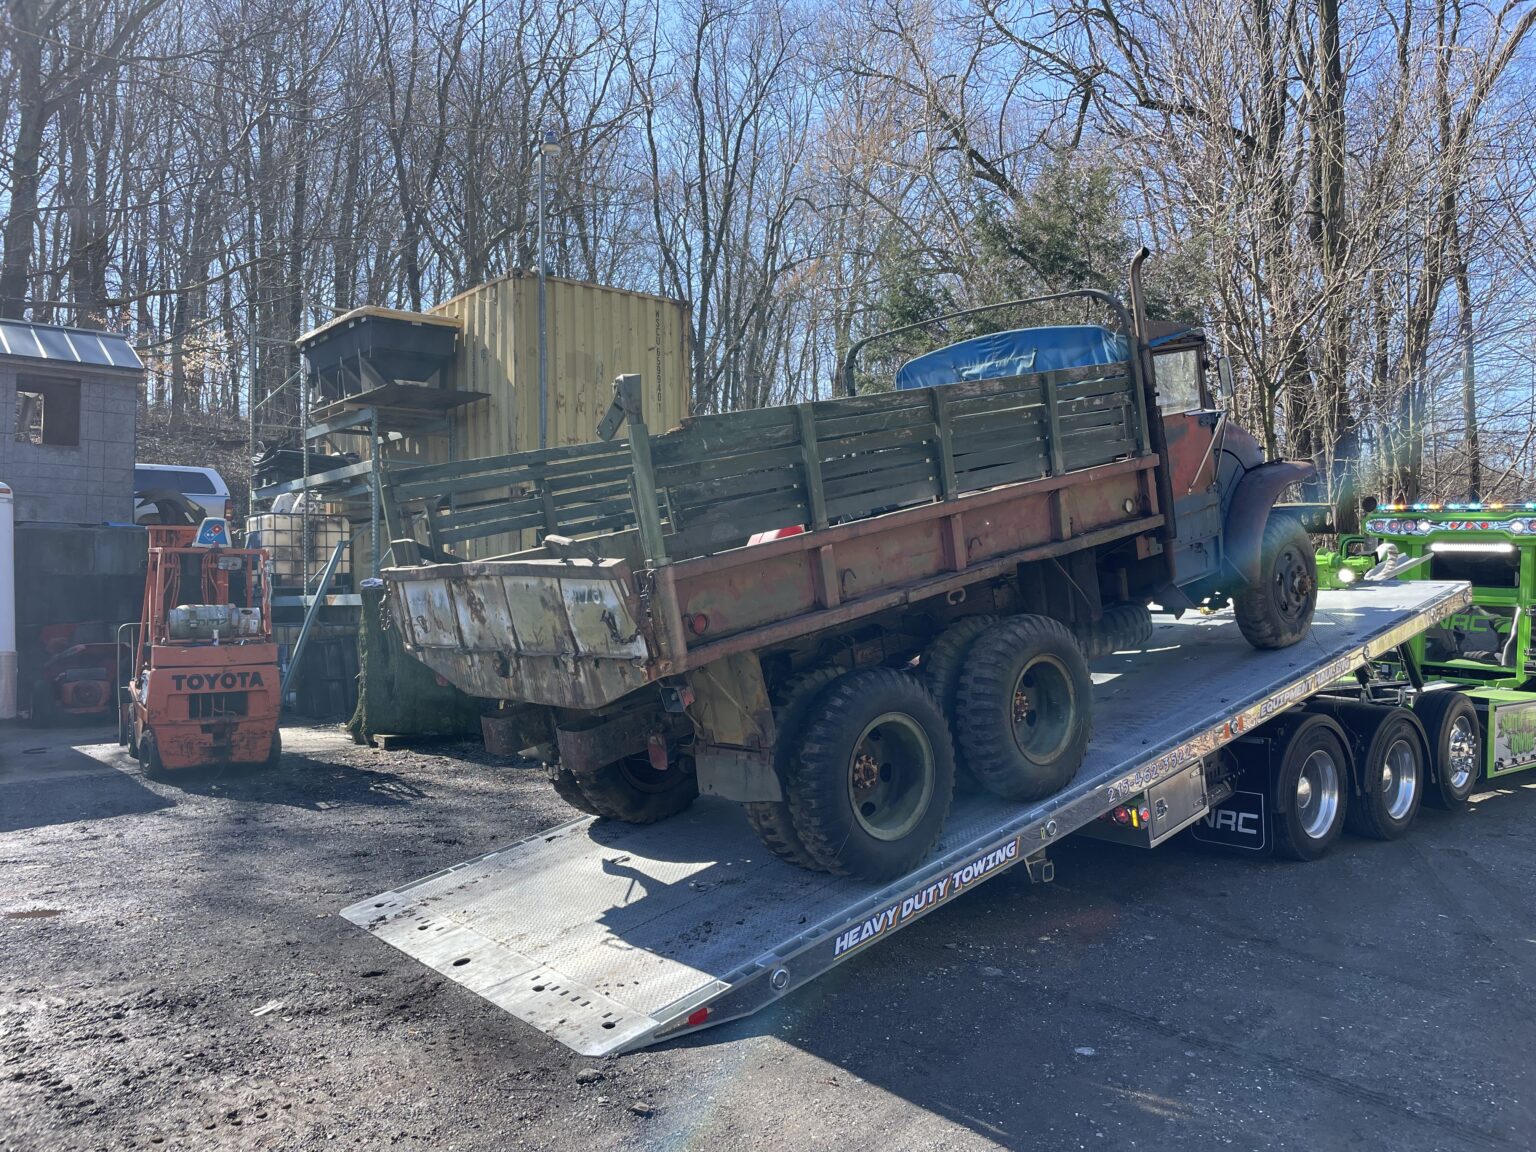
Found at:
[557, 632]
[609, 937]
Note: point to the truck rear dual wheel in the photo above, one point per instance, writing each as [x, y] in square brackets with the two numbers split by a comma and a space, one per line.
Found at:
[1024, 708]
[771, 819]
[873, 776]
[1455, 747]
[1276, 610]
[941, 665]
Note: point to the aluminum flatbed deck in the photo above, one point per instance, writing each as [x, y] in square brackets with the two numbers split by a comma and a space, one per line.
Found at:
[609, 937]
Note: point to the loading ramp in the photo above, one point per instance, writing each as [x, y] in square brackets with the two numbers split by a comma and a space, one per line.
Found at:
[610, 937]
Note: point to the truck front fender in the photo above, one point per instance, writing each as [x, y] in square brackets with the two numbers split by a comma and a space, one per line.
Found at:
[1252, 500]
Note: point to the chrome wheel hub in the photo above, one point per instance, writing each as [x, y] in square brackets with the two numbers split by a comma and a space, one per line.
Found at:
[1317, 794]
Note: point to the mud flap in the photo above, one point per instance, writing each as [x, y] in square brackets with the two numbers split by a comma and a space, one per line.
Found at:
[1239, 824]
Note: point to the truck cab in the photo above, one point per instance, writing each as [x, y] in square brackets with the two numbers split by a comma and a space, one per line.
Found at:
[1218, 485]
[1486, 647]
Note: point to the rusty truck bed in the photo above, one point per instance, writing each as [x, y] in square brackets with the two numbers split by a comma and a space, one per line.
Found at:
[905, 496]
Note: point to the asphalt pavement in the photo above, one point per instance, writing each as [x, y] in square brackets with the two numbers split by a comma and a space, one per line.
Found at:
[174, 974]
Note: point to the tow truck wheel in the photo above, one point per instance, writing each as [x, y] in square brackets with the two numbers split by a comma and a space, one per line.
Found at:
[941, 665]
[873, 776]
[1455, 747]
[771, 819]
[1311, 789]
[1276, 611]
[1024, 711]
[633, 791]
[1391, 771]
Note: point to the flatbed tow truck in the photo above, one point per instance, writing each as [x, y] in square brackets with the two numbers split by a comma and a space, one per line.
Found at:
[610, 936]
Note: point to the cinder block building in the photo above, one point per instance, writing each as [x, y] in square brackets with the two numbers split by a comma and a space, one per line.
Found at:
[68, 402]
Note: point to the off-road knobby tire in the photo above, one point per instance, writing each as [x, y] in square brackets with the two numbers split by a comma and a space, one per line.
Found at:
[817, 782]
[1307, 734]
[944, 659]
[1374, 729]
[771, 819]
[1285, 551]
[569, 790]
[984, 708]
[1438, 712]
[1121, 627]
[941, 665]
[614, 796]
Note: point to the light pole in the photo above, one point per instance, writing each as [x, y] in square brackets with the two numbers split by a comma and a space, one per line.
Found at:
[549, 149]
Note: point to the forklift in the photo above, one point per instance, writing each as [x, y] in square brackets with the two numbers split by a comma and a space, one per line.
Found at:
[203, 690]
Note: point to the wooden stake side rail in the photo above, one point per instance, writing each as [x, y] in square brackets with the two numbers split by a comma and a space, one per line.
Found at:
[583, 632]
[712, 483]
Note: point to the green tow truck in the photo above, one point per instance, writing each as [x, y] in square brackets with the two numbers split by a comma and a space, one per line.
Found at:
[1485, 649]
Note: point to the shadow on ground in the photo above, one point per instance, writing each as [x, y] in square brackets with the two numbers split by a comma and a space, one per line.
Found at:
[300, 781]
[35, 762]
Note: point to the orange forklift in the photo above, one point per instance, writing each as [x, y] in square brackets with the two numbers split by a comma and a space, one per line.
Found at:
[204, 686]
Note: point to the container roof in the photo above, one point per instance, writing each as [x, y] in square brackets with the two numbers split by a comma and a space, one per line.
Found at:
[56, 345]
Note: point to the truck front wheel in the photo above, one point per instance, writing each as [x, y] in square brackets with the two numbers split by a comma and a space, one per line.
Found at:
[1276, 610]
[871, 784]
[1024, 711]
[633, 791]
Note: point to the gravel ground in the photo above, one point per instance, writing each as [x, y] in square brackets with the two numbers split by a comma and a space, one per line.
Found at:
[1381, 998]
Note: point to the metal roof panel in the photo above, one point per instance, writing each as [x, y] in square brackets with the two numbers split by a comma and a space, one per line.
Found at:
[50, 342]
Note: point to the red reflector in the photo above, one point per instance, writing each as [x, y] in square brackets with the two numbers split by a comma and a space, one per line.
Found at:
[698, 1016]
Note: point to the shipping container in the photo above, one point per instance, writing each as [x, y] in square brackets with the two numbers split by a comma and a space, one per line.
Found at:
[594, 333]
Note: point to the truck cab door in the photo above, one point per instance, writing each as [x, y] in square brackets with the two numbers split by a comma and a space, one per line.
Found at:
[1191, 427]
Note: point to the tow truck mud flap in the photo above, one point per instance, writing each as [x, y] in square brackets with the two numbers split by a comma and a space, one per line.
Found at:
[609, 937]
[1238, 824]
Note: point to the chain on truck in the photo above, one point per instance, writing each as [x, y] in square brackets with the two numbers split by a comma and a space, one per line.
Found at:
[869, 622]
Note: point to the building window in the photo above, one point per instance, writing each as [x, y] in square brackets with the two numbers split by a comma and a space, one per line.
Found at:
[48, 411]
